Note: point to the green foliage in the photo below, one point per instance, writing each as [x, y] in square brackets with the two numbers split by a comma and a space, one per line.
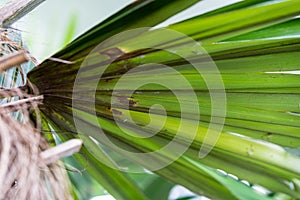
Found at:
[247, 41]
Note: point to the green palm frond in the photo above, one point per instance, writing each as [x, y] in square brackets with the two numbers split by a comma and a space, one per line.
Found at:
[253, 44]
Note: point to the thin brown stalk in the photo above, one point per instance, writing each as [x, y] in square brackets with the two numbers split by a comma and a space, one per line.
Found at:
[16, 105]
[11, 60]
[65, 149]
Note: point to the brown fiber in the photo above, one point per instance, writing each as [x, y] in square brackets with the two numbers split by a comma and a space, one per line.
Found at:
[23, 173]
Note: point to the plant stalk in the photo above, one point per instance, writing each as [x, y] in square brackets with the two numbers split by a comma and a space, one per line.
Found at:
[16, 9]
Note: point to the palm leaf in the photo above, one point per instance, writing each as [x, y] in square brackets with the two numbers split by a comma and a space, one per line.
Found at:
[249, 41]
